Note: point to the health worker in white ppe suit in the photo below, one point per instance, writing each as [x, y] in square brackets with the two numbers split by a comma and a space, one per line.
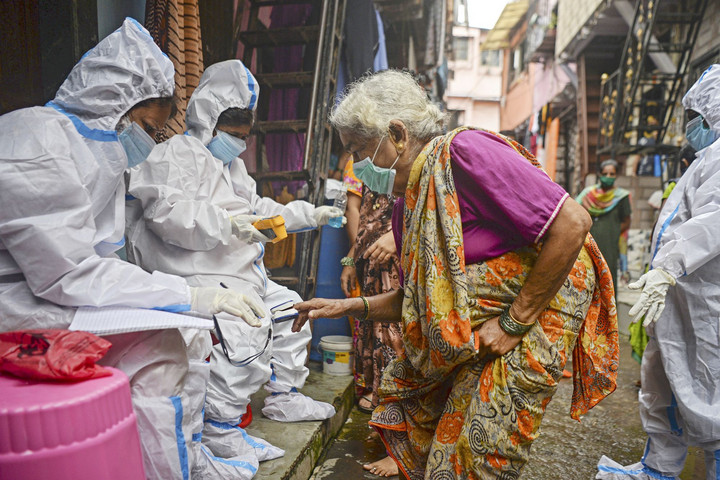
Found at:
[680, 395]
[62, 217]
[198, 205]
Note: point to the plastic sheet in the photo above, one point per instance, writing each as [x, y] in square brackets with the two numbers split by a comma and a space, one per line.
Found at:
[52, 354]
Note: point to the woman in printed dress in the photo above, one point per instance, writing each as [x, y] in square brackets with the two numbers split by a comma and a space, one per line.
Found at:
[501, 283]
[373, 264]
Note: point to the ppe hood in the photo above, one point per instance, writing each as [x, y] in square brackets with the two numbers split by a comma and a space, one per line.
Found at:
[224, 85]
[704, 97]
[125, 68]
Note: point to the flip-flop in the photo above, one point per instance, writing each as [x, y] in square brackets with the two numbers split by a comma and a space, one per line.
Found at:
[368, 398]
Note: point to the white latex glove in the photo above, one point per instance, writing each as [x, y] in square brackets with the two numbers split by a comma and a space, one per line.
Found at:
[243, 229]
[651, 303]
[210, 300]
[322, 215]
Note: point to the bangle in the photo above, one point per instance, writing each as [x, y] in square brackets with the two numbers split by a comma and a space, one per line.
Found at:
[366, 305]
[512, 326]
[347, 262]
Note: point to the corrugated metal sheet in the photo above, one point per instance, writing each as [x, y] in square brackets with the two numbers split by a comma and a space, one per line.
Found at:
[499, 37]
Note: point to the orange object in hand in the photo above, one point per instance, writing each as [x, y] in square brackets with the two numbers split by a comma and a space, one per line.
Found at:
[273, 228]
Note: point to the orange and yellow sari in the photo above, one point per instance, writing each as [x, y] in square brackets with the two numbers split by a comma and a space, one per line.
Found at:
[447, 413]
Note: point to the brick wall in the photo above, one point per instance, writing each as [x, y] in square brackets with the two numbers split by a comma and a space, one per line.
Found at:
[643, 215]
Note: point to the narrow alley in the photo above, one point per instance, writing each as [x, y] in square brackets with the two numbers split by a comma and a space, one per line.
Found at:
[565, 450]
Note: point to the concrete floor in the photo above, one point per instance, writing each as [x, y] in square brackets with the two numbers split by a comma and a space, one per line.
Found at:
[566, 449]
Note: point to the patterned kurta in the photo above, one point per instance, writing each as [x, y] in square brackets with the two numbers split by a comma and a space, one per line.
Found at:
[375, 343]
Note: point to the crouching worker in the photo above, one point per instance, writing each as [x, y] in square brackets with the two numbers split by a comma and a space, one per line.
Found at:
[62, 218]
[198, 205]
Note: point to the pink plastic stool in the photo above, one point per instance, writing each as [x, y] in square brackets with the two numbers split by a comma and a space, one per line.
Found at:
[68, 431]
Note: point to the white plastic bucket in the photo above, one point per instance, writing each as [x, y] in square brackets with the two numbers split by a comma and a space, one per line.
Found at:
[337, 354]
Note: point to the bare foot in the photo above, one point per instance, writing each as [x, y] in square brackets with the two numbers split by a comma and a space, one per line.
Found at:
[365, 403]
[383, 468]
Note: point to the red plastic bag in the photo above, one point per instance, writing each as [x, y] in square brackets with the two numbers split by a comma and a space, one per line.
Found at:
[52, 354]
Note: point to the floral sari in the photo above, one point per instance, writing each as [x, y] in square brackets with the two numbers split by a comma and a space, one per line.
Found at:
[447, 413]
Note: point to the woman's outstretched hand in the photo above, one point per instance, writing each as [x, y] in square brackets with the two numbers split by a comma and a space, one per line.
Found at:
[322, 308]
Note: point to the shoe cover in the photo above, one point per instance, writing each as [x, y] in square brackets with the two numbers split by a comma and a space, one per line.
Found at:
[611, 470]
[210, 467]
[226, 441]
[295, 407]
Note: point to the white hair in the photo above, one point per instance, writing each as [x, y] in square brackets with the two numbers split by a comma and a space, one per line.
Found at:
[369, 104]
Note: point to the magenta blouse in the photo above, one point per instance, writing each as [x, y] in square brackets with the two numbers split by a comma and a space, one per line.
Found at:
[505, 201]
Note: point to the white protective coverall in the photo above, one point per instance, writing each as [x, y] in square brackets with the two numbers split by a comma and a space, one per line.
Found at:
[62, 216]
[680, 395]
[187, 198]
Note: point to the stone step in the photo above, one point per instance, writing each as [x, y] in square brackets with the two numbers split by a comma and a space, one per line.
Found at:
[303, 442]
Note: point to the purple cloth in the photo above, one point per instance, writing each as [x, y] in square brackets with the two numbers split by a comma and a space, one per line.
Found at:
[286, 151]
[505, 201]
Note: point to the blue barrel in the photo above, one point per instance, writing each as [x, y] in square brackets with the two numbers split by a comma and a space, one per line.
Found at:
[333, 246]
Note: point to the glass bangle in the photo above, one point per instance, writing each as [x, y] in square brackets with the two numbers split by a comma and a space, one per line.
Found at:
[512, 326]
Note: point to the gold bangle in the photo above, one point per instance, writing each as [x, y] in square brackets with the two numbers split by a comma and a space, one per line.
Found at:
[367, 309]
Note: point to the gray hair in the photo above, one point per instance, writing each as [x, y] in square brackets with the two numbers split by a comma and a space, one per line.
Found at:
[609, 163]
[368, 106]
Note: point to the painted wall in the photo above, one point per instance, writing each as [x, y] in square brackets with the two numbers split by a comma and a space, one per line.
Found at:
[709, 35]
[518, 101]
[572, 16]
[475, 88]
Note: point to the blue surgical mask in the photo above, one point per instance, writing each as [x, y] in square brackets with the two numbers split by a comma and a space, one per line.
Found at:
[226, 147]
[136, 143]
[699, 136]
[377, 179]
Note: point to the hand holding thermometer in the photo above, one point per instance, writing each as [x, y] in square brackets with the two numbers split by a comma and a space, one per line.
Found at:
[273, 228]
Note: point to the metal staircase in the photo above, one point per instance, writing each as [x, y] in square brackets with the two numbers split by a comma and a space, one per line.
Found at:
[319, 40]
[638, 99]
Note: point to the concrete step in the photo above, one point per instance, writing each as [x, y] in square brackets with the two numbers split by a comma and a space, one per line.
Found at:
[303, 442]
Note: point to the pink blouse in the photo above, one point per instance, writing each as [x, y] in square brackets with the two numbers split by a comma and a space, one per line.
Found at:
[505, 201]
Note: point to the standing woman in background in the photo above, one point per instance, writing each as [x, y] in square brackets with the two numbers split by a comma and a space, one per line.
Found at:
[373, 263]
[609, 207]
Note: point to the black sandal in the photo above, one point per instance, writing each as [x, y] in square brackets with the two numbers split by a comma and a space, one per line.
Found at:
[368, 398]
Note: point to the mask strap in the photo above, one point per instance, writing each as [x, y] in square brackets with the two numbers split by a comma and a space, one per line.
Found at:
[396, 160]
[376, 150]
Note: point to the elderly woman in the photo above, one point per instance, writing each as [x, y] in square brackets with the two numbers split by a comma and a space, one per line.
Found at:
[501, 281]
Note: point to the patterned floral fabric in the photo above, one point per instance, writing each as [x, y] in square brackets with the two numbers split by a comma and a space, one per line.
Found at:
[446, 413]
[353, 184]
[376, 343]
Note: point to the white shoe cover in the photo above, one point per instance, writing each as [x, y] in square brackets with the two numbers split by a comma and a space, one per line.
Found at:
[227, 441]
[611, 470]
[295, 407]
[210, 467]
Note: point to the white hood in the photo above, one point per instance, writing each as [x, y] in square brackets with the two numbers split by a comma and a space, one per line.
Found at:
[224, 85]
[704, 97]
[125, 68]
